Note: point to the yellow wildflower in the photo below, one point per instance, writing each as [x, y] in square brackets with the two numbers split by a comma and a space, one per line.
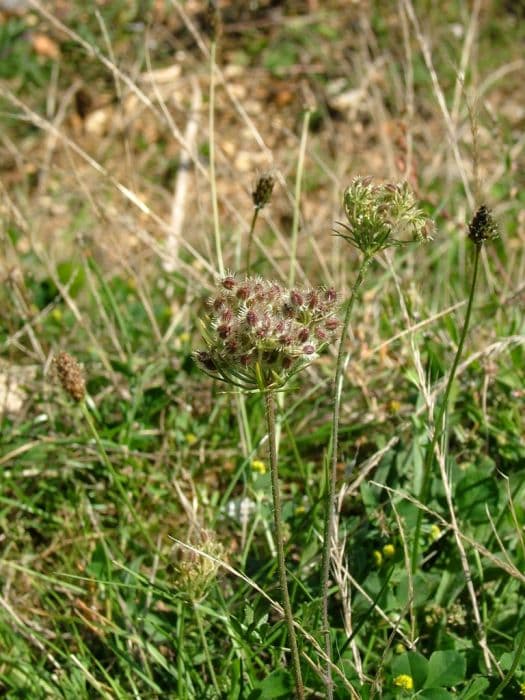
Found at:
[404, 681]
[191, 438]
[522, 690]
[258, 466]
[388, 551]
[378, 557]
[435, 532]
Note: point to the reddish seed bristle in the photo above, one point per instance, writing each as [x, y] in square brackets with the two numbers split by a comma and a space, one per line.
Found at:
[296, 298]
[308, 349]
[224, 330]
[274, 292]
[243, 292]
[228, 282]
[303, 335]
[217, 303]
[251, 318]
[331, 324]
[227, 316]
[312, 299]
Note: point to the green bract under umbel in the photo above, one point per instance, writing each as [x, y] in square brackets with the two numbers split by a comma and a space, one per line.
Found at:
[260, 334]
[382, 216]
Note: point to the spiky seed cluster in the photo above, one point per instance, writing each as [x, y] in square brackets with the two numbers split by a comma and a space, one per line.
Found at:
[260, 334]
[262, 193]
[483, 227]
[381, 216]
[196, 572]
[70, 376]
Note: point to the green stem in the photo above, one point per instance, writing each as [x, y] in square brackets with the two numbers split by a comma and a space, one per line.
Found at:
[181, 686]
[244, 425]
[114, 476]
[438, 423]
[206, 650]
[250, 239]
[331, 485]
[211, 141]
[297, 196]
[269, 404]
[512, 670]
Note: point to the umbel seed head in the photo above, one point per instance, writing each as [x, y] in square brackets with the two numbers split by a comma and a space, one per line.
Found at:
[483, 227]
[70, 376]
[260, 334]
[197, 572]
[382, 216]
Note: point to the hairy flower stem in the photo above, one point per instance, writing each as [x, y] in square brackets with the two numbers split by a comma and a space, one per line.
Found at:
[114, 476]
[250, 239]
[211, 142]
[438, 423]
[331, 483]
[269, 405]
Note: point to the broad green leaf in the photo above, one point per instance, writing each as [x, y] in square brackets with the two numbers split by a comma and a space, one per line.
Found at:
[277, 685]
[475, 688]
[445, 668]
[474, 492]
[411, 664]
[436, 694]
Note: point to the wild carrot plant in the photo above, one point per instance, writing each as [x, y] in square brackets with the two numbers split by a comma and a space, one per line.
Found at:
[258, 337]
[378, 217]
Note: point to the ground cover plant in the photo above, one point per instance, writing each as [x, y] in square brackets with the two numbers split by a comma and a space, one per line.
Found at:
[262, 350]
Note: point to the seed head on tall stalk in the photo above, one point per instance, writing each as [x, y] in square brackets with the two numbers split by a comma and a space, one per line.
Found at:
[261, 195]
[258, 336]
[378, 217]
[71, 376]
[482, 228]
